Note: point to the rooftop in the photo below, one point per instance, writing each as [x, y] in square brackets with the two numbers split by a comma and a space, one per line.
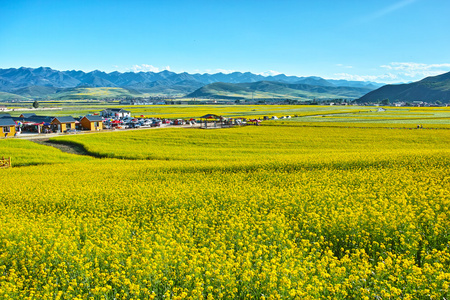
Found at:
[66, 119]
[94, 118]
[7, 122]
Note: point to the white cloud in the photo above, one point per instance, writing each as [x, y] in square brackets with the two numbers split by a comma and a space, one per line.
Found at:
[148, 68]
[224, 71]
[411, 69]
[390, 9]
[395, 72]
[269, 73]
[376, 78]
[344, 66]
[413, 66]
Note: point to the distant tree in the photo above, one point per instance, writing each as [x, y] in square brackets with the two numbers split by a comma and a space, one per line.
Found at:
[438, 102]
[385, 102]
[35, 104]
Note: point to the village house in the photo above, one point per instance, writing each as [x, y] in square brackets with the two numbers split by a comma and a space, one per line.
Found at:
[7, 127]
[116, 113]
[61, 124]
[92, 123]
[26, 116]
[33, 123]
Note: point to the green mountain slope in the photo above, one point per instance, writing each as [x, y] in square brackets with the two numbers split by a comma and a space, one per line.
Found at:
[274, 90]
[36, 91]
[94, 93]
[429, 89]
[8, 97]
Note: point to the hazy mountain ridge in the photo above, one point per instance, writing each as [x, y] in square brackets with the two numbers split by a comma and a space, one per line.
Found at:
[429, 89]
[46, 82]
[44, 76]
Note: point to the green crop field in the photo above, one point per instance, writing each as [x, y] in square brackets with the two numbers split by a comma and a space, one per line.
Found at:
[300, 114]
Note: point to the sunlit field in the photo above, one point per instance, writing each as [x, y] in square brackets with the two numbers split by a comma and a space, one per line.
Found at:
[80, 108]
[426, 117]
[257, 212]
[301, 115]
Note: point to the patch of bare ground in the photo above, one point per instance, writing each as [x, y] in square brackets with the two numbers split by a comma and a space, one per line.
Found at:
[68, 148]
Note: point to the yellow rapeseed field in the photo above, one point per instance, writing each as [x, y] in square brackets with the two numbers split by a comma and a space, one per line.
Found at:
[244, 213]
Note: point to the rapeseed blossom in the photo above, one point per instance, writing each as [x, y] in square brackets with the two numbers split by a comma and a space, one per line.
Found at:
[272, 213]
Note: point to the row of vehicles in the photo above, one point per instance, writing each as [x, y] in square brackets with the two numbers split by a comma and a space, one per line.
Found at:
[143, 122]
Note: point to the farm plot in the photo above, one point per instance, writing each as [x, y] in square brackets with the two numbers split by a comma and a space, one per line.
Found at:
[256, 212]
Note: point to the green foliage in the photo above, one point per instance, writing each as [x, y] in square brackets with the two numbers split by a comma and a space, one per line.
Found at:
[385, 102]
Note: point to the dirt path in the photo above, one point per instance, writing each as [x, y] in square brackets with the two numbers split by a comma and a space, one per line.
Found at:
[68, 148]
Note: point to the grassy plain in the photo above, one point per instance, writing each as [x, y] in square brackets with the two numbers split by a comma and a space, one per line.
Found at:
[80, 108]
[257, 212]
[390, 116]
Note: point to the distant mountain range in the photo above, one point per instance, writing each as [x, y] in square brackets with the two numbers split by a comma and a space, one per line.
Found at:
[44, 82]
[429, 89]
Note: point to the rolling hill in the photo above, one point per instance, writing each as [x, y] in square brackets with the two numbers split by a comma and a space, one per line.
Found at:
[11, 97]
[276, 90]
[99, 93]
[430, 89]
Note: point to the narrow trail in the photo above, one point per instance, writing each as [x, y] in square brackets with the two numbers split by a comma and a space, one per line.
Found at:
[68, 148]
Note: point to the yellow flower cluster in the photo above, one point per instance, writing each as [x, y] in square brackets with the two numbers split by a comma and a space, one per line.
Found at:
[250, 213]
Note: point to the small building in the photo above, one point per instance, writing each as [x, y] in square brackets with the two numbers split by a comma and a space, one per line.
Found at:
[7, 127]
[61, 124]
[35, 123]
[26, 116]
[92, 123]
[116, 113]
[5, 115]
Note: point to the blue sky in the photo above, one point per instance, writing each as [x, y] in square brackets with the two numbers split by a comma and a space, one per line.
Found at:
[377, 40]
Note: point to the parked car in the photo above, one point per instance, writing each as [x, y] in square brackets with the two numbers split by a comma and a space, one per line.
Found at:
[70, 131]
[156, 123]
[146, 123]
[133, 125]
